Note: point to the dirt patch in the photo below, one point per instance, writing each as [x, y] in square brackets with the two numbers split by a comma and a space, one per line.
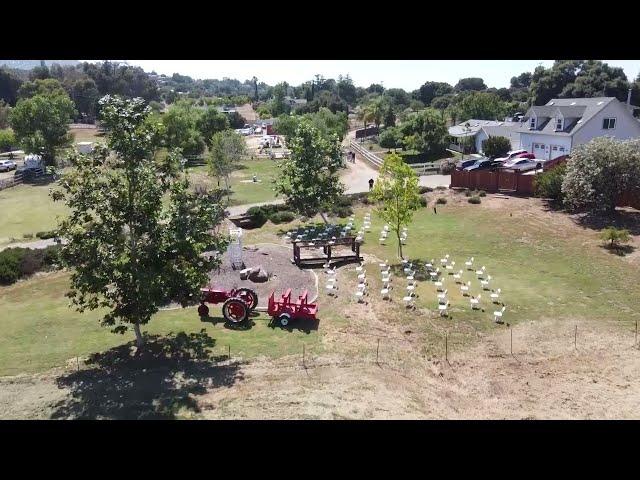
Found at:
[276, 260]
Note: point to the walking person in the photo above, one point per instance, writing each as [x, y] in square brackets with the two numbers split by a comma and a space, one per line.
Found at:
[370, 183]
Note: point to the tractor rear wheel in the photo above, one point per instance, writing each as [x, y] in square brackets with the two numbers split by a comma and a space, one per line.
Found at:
[235, 310]
[203, 310]
[284, 319]
[249, 297]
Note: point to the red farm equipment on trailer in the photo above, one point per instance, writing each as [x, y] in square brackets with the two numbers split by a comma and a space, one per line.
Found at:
[237, 304]
[284, 309]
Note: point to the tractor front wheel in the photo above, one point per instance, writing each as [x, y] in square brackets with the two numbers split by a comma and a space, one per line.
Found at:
[249, 297]
[284, 319]
[235, 310]
[203, 310]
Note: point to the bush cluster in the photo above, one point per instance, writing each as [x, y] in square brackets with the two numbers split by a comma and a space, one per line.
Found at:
[423, 201]
[475, 200]
[282, 217]
[47, 234]
[423, 190]
[16, 263]
[441, 201]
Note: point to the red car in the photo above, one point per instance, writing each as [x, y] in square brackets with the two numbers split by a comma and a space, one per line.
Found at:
[526, 155]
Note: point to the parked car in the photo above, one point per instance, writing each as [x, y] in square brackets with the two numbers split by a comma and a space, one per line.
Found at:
[461, 165]
[484, 164]
[512, 154]
[526, 164]
[516, 161]
[7, 165]
[526, 155]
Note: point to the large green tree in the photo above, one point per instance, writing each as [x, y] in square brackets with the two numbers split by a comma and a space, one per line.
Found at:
[397, 194]
[430, 90]
[211, 121]
[481, 106]
[471, 83]
[599, 171]
[308, 179]
[180, 121]
[48, 86]
[41, 124]
[5, 109]
[425, 131]
[9, 86]
[136, 236]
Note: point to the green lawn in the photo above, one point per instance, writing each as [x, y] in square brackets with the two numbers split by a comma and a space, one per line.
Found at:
[244, 190]
[27, 209]
[545, 272]
[39, 331]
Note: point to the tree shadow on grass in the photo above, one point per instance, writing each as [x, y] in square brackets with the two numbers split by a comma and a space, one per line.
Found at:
[619, 250]
[623, 218]
[155, 382]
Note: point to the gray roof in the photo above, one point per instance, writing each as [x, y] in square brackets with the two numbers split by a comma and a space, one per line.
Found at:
[576, 113]
[476, 125]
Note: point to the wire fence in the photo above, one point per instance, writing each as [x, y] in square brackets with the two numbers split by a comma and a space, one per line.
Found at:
[400, 353]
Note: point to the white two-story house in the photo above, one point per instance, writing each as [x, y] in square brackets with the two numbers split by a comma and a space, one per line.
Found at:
[552, 130]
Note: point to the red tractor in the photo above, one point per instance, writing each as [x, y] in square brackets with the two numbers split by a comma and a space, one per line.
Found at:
[284, 310]
[237, 303]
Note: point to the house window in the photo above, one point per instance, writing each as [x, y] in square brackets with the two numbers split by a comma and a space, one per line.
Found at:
[559, 124]
[562, 149]
[608, 123]
[532, 123]
[555, 148]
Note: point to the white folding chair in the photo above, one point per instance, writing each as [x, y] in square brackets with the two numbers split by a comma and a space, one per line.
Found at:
[498, 315]
[495, 296]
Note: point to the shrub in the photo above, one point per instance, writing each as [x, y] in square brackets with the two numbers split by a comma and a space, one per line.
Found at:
[447, 166]
[440, 187]
[258, 216]
[28, 235]
[441, 201]
[549, 184]
[423, 190]
[496, 146]
[615, 236]
[46, 234]
[10, 265]
[467, 193]
[482, 193]
[342, 212]
[475, 200]
[344, 201]
[282, 217]
[423, 201]
[370, 147]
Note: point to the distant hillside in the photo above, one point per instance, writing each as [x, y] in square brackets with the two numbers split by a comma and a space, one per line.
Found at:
[29, 64]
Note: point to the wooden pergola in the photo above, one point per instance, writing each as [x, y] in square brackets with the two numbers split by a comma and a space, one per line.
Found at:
[327, 245]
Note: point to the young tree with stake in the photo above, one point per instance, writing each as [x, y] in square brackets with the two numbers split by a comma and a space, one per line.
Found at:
[129, 253]
[396, 190]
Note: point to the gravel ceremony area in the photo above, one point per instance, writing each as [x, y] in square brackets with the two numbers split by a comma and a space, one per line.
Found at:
[276, 261]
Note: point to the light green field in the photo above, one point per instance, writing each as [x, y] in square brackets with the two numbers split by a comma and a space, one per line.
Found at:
[39, 331]
[27, 209]
[245, 191]
[545, 272]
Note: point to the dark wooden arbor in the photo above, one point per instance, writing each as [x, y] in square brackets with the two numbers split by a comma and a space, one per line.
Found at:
[327, 246]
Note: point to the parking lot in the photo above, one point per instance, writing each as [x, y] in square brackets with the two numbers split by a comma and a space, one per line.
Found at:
[18, 157]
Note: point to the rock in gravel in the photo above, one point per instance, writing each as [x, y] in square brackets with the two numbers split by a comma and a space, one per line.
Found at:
[258, 275]
[244, 274]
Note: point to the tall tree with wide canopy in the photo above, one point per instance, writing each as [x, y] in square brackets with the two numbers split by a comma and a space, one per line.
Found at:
[308, 179]
[599, 172]
[227, 148]
[136, 235]
[41, 124]
[397, 194]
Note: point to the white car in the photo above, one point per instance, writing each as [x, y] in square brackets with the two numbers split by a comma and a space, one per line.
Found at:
[7, 165]
[510, 155]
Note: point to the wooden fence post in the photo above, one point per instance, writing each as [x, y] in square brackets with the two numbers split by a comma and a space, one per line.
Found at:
[446, 346]
[575, 339]
[229, 352]
[378, 352]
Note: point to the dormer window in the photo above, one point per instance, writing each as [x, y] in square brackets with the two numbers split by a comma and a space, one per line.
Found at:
[532, 123]
[608, 123]
[559, 124]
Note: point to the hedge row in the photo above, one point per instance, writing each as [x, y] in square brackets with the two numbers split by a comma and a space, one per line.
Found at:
[16, 263]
